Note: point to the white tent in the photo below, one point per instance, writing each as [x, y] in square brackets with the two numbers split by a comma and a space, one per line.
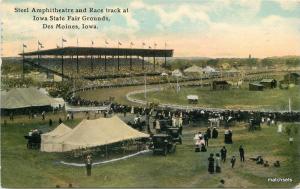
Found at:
[47, 143]
[59, 102]
[194, 69]
[24, 97]
[209, 69]
[177, 73]
[98, 132]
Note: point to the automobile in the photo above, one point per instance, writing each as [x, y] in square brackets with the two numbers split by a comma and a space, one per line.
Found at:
[165, 124]
[175, 133]
[163, 144]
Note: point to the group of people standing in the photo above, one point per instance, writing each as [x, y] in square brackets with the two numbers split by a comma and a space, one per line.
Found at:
[214, 164]
[201, 140]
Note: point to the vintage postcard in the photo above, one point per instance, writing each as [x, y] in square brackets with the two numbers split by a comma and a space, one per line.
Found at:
[150, 93]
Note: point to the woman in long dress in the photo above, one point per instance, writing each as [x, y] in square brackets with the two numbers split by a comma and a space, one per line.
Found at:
[211, 162]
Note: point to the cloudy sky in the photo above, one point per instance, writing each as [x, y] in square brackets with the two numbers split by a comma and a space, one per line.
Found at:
[206, 28]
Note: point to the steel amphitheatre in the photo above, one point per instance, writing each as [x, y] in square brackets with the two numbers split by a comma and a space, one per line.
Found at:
[138, 117]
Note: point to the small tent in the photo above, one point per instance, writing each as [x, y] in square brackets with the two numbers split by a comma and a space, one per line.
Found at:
[97, 132]
[177, 73]
[48, 138]
[194, 69]
[209, 70]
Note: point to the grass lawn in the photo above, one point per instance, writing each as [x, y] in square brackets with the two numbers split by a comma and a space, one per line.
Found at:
[185, 168]
[271, 99]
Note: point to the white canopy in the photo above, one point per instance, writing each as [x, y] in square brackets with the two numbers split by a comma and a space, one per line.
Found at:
[48, 138]
[98, 132]
[209, 69]
[194, 69]
[58, 102]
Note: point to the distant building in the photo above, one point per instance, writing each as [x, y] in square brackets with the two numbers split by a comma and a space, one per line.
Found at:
[193, 99]
[269, 83]
[256, 87]
[249, 56]
[220, 85]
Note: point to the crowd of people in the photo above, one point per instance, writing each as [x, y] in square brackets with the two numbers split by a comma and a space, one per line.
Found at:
[201, 140]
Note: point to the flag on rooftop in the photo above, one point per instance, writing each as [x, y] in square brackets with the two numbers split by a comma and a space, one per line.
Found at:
[63, 40]
[40, 43]
[24, 46]
[119, 43]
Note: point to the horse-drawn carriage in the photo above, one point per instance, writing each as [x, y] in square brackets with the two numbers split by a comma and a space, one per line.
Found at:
[254, 124]
[33, 141]
[163, 144]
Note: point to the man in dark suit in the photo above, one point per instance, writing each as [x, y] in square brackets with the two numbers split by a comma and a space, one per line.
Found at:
[242, 153]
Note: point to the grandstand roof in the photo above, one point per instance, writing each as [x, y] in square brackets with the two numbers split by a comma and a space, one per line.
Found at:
[84, 51]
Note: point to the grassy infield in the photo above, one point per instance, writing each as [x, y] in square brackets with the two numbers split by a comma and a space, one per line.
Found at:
[185, 168]
[271, 99]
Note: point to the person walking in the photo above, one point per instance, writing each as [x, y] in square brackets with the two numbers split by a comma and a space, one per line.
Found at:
[211, 162]
[242, 153]
[206, 138]
[218, 163]
[88, 165]
[223, 152]
[232, 161]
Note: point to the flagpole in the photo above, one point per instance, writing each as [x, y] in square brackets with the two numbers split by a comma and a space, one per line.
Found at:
[23, 64]
[145, 89]
[130, 55]
[143, 65]
[118, 56]
[38, 53]
[290, 105]
[92, 66]
[177, 89]
[105, 56]
[77, 59]
[62, 60]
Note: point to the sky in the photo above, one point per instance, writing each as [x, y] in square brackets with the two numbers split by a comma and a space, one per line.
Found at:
[193, 28]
